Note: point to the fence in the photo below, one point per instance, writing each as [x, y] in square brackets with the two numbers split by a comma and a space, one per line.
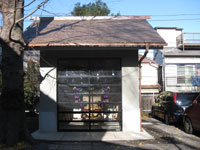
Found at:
[147, 101]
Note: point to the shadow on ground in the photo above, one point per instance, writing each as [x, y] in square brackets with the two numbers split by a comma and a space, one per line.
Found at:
[85, 146]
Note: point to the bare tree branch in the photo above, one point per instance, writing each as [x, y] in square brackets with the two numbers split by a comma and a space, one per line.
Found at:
[16, 22]
[38, 7]
[26, 5]
[29, 3]
[13, 40]
[1, 6]
[48, 12]
[145, 53]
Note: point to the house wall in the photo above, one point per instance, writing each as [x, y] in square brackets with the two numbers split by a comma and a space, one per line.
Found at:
[149, 74]
[171, 78]
[182, 60]
[130, 84]
[169, 35]
[172, 75]
[48, 106]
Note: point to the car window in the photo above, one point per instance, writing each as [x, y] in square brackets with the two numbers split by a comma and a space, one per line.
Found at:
[184, 99]
[169, 99]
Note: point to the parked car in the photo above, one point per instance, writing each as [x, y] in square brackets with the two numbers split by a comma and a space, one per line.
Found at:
[191, 119]
[170, 106]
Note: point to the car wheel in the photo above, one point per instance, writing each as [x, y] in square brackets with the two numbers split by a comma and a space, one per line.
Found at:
[188, 126]
[166, 119]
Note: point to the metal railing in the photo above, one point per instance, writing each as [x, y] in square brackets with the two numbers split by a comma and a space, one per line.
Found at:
[188, 39]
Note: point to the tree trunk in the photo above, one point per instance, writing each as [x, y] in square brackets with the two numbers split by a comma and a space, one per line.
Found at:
[12, 114]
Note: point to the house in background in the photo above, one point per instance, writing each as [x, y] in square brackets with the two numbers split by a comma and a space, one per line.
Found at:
[169, 34]
[150, 54]
[89, 68]
[150, 86]
[180, 60]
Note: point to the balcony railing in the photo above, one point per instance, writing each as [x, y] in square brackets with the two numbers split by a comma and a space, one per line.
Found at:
[188, 41]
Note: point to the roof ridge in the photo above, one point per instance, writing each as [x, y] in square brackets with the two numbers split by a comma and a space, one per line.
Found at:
[93, 18]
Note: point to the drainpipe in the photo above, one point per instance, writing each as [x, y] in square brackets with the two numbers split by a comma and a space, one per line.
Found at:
[140, 78]
[183, 41]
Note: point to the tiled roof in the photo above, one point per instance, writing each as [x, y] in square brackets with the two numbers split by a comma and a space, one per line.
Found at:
[106, 31]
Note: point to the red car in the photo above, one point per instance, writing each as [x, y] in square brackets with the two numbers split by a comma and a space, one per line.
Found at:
[191, 117]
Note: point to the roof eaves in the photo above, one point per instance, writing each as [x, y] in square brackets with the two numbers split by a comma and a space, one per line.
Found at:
[175, 28]
[183, 54]
[97, 44]
[92, 18]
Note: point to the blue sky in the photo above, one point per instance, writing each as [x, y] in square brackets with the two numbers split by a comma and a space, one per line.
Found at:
[165, 13]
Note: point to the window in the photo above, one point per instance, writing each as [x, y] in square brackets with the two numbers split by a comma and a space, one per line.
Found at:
[184, 74]
[89, 94]
[181, 74]
[196, 77]
[188, 74]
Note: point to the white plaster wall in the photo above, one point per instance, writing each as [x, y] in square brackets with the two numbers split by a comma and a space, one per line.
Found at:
[149, 74]
[48, 106]
[130, 99]
[130, 88]
[169, 35]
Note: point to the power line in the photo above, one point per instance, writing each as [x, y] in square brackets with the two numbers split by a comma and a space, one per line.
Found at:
[153, 15]
[168, 15]
[162, 15]
[55, 14]
[188, 19]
